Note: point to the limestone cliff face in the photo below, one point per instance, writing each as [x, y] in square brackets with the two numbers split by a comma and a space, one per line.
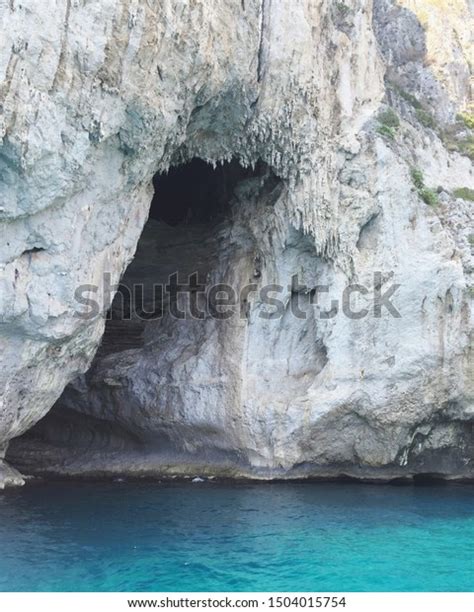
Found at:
[97, 97]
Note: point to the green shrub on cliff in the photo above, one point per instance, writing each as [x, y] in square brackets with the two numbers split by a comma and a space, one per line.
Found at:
[425, 118]
[342, 9]
[467, 119]
[459, 136]
[388, 123]
[464, 193]
[389, 118]
[410, 98]
[429, 196]
[464, 146]
[417, 178]
[384, 130]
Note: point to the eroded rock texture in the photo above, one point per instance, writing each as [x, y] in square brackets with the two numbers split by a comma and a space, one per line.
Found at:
[98, 97]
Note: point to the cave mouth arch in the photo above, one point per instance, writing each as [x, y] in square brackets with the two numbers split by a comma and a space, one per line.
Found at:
[191, 200]
[201, 219]
[192, 213]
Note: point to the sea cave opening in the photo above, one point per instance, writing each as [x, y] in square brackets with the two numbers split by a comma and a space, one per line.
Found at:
[189, 231]
[190, 202]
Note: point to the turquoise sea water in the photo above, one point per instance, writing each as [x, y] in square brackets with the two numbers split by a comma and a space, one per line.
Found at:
[254, 537]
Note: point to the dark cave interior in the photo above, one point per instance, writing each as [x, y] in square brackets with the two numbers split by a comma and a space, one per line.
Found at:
[189, 203]
[196, 192]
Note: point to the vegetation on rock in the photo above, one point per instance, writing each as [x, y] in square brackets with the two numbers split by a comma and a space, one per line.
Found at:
[429, 196]
[425, 118]
[465, 193]
[388, 123]
[467, 118]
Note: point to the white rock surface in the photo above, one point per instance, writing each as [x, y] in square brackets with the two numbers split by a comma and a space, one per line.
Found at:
[95, 98]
